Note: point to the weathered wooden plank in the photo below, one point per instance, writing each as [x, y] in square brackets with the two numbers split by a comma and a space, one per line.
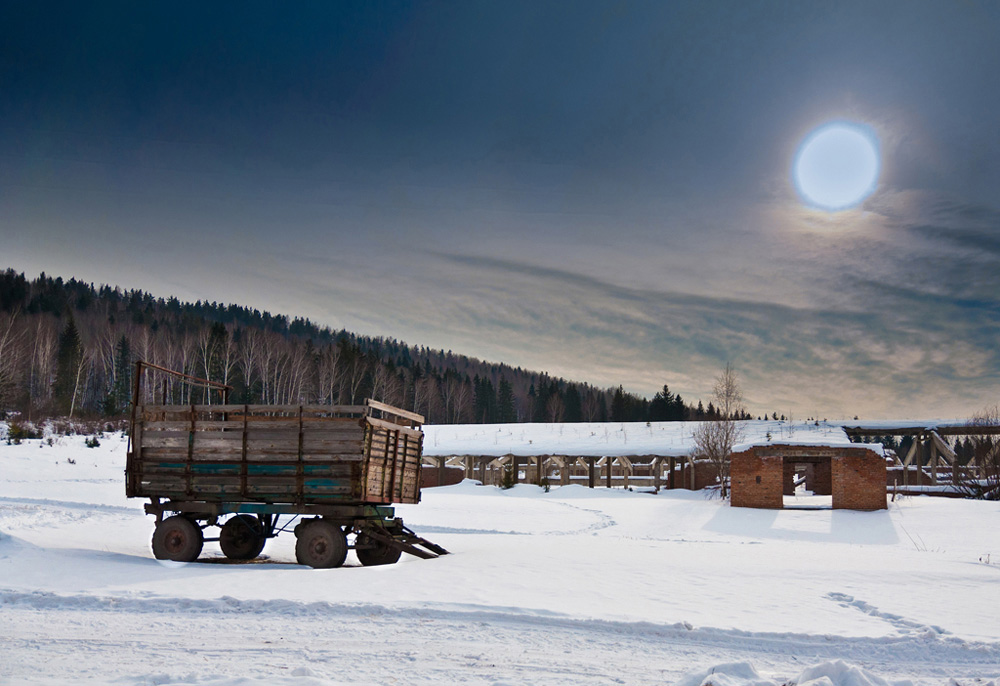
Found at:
[200, 425]
[187, 408]
[166, 426]
[336, 409]
[289, 468]
[153, 441]
[221, 435]
[346, 433]
[376, 405]
[339, 447]
[389, 426]
[287, 442]
[215, 440]
[306, 457]
[337, 432]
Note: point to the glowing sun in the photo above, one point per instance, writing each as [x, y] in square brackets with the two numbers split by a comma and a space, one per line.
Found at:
[836, 166]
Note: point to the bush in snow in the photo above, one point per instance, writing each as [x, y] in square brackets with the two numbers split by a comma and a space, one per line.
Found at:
[507, 476]
[92, 442]
[19, 431]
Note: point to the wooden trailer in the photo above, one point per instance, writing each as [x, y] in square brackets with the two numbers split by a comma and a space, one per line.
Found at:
[331, 470]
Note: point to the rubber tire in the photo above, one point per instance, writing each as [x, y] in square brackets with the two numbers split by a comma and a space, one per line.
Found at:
[177, 538]
[242, 537]
[381, 554]
[321, 545]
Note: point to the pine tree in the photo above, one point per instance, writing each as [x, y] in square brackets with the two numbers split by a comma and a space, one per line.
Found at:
[678, 413]
[69, 365]
[618, 406]
[505, 402]
[660, 408]
[117, 400]
[573, 411]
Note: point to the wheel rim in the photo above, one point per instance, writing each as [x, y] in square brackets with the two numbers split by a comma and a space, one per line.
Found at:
[319, 546]
[176, 541]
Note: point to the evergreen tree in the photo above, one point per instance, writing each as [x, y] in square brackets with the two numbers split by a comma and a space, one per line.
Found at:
[678, 413]
[618, 406]
[484, 400]
[117, 400]
[505, 402]
[661, 407]
[542, 401]
[69, 365]
[573, 411]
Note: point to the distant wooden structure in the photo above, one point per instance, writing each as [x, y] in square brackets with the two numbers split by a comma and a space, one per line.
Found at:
[616, 471]
[672, 468]
[928, 441]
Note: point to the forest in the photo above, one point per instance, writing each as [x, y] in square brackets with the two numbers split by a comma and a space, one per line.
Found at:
[68, 348]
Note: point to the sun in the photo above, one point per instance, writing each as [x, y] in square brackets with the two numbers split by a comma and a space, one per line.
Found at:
[837, 166]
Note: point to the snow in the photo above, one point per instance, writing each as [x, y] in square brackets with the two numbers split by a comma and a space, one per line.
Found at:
[598, 439]
[919, 424]
[813, 441]
[575, 586]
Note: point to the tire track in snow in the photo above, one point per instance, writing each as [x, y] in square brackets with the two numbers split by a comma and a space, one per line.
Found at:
[931, 649]
[71, 505]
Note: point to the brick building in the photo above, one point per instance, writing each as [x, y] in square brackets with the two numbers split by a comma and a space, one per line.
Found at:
[854, 475]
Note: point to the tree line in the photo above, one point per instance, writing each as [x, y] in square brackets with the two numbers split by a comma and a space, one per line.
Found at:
[68, 349]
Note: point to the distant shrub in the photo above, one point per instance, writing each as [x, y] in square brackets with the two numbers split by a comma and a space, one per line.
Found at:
[19, 431]
[507, 476]
[92, 442]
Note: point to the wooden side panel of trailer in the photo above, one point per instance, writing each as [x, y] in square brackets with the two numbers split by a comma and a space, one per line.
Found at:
[392, 463]
[260, 453]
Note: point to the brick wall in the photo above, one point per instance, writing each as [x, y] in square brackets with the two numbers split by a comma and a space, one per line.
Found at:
[756, 480]
[788, 480]
[822, 481]
[858, 481]
[450, 476]
[704, 475]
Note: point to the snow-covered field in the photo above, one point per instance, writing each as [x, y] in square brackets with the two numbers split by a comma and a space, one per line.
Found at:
[568, 587]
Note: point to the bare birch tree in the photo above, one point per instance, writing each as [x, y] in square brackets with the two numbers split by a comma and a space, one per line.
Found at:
[10, 356]
[330, 374]
[590, 405]
[43, 364]
[555, 408]
[714, 440]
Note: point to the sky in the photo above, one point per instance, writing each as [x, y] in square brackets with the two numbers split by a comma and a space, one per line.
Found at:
[599, 190]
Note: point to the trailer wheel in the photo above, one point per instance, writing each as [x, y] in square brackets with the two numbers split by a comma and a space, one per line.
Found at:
[372, 552]
[242, 537]
[320, 544]
[177, 538]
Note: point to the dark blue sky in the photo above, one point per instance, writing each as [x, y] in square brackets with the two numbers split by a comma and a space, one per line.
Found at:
[598, 189]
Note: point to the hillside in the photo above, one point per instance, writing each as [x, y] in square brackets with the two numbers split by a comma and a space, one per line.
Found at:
[67, 347]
